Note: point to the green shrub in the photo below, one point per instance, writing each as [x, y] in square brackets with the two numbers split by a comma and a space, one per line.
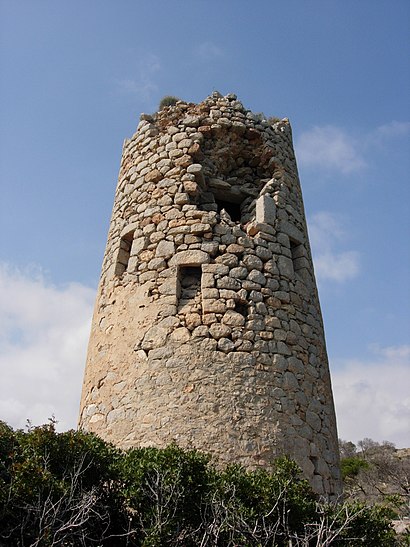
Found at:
[165, 490]
[352, 465]
[369, 525]
[74, 489]
[57, 481]
[168, 100]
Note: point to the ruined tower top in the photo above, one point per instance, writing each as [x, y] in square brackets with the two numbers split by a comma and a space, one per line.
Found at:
[207, 328]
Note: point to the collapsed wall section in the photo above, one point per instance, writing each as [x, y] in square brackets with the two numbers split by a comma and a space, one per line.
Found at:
[207, 329]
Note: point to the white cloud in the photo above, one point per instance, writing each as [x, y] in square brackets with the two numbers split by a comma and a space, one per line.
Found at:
[332, 148]
[372, 397]
[44, 333]
[143, 85]
[208, 51]
[388, 131]
[326, 232]
[329, 147]
[337, 266]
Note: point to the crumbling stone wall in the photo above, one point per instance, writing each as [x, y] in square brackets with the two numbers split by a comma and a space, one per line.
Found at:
[207, 328]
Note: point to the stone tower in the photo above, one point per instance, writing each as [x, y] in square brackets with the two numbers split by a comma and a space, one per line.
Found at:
[207, 328]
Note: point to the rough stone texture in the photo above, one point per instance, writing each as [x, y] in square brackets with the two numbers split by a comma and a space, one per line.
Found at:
[207, 328]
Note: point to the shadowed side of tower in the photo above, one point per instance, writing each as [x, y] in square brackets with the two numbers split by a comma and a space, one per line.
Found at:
[207, 328]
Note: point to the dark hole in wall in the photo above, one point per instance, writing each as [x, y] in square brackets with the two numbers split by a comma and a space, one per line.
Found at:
[233, 209]
[295, 249]
[124, 252]
[242, 308]
[189, 284]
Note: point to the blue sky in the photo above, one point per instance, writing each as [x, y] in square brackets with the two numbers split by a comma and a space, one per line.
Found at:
[75, 76]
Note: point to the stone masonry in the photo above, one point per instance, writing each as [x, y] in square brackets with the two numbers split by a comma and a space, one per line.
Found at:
[207, 328]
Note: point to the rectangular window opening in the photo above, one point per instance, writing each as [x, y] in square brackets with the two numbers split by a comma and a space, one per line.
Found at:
[124, 253]
[233, 209]
[297, 251]
[189, 278]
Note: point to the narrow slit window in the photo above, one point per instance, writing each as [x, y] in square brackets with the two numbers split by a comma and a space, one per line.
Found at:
[297, 251]
[124, 253]
[190, 289]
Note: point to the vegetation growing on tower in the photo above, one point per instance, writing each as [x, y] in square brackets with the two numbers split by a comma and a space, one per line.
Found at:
[168, 100]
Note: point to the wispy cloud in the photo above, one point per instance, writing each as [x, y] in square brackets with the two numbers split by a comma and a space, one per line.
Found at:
[334, 149]
[44, 333]
[337, 266]
[387, 132]
[326, 231]
[331, 148]
[143, 85]
[208, 51]
[372, 397]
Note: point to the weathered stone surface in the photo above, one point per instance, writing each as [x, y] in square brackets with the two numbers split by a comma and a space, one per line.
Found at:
[213, 306]
[228, 283]
[239, 273]
[192, 320]
[225, 345]
[233, 319]
[218, 331]
[207, 310]
[189, 258]
[165, 249]
[195, 168]
[180, 335]
[155, 337]
[285, 266]
[234, 248]
[257, 277]
[199, 228]
[181, 198]
[252, 262]
[153, 176]
[290, 230]
[265, 210]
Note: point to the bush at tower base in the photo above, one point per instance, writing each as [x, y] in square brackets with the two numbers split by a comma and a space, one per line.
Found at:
[73, 488]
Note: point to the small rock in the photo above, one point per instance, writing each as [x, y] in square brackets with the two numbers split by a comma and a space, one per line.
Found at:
[225, 345]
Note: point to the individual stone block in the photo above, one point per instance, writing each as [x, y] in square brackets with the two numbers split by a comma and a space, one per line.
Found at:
[265, 210]
[165, 249]
[153, 175]
[195, 168]
[189, 258]
[213, 306]
[285, 266]
[239, 273]
[208, 281]
[200, 228]
[290, 230]
[218, 331]
[228, 283]
[225, 345]
[252, 262]
[257, 277]
[180, 335]
[181, 198]
[155, 337]
[233, 319]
